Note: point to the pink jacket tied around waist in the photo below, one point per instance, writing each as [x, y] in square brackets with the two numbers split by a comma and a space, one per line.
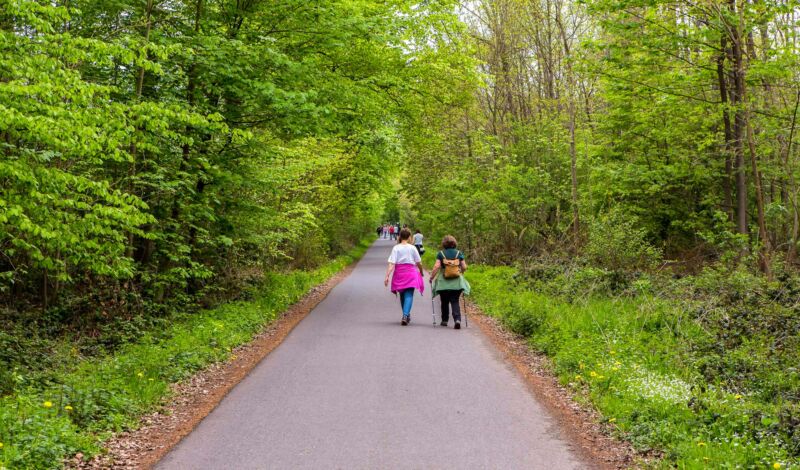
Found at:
[407, 276]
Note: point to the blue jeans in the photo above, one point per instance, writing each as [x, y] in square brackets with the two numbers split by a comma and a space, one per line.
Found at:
[406, 300]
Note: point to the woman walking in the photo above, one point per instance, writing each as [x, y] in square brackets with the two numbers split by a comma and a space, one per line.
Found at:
[447, 280]
[405, 271]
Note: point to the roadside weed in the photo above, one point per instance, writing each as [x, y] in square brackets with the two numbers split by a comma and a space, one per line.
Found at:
[642, 361]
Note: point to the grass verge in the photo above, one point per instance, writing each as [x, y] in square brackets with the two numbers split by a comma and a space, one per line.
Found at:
[639, 361]
[42, 425]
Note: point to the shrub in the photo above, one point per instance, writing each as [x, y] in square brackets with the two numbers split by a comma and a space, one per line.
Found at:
[617, 242]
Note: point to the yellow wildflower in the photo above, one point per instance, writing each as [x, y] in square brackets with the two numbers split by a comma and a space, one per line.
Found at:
[47, 404]
[234, 356]
[1, 445]
[578, 377]
[776, 465]
[615, 369]
[737, 397]
[139, 374]
[612, 352]
[593, 373]
[601, 377]
[701, 444]
[68, 408]
[612, 420]
[617, 363]
[581, 366]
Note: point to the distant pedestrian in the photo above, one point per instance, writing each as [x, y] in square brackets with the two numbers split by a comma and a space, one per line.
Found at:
[405, 271]
[447, 280]
[418, 242]
[380, 230]
[391, 232]
[396, 230]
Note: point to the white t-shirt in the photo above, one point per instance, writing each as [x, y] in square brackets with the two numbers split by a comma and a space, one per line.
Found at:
[418, 239]
[404, 254]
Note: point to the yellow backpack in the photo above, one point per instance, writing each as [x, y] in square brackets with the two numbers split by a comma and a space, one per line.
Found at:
[452, 267]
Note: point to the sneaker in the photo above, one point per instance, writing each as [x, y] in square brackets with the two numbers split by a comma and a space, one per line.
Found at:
[404, 321]
[457, 326]
[444, 323]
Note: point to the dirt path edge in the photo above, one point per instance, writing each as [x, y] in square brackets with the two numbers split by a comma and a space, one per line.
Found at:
[193, 399]
[581, 425]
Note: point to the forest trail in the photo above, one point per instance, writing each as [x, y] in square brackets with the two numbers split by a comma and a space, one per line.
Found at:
[351, 388]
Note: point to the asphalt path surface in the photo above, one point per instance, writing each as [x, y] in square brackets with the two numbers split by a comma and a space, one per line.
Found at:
[351, 388]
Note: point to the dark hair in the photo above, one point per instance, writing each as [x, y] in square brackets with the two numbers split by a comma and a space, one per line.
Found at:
[449, 241]
[417, 231]
[405, 234]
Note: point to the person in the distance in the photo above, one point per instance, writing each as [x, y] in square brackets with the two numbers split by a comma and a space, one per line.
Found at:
[418, 242]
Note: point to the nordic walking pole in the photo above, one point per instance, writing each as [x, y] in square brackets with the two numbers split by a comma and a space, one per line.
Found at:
[433, 309]
[466, 320]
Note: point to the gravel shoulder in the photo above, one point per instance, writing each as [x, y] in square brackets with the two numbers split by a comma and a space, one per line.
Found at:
[596, 440]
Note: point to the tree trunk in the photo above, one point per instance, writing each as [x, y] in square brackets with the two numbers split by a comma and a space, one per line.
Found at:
[735, 55]
[766, 247]
[571, 96]
[726, 121]
[138, 95]
[576, 221]
[792, 185]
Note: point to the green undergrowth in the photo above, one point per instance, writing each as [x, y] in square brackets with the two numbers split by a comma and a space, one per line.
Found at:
[41, 425]
[689, 374]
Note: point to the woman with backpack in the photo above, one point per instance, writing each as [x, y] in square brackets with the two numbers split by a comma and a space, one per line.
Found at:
[447, 280]
[405, 271]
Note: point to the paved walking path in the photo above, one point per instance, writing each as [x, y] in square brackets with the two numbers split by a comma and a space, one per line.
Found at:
[350, 388]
